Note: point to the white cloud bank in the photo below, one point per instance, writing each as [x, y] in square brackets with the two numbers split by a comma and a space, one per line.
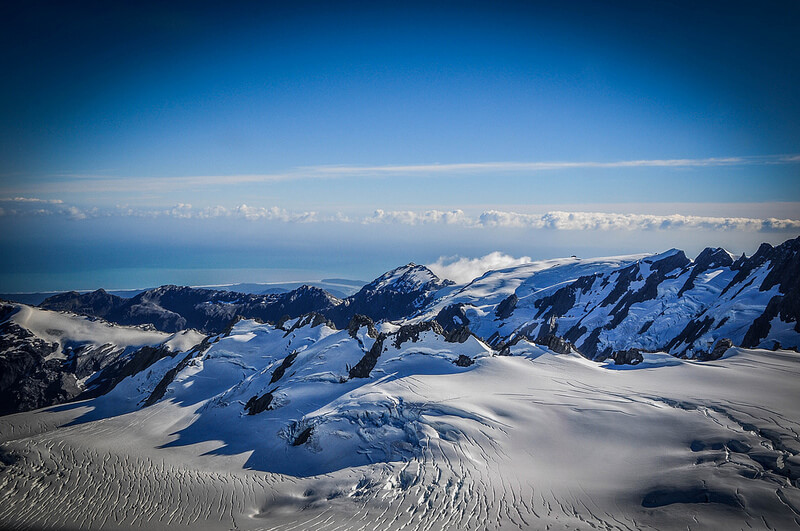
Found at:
[30, 200]
[558, 220]
[410, 217]
[463, 270]
[553, 220]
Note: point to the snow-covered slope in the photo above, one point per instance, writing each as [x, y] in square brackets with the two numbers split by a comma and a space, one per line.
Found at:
[609, 306]
[525, 284]
[49, 357]
[668, 302]
[267, 428]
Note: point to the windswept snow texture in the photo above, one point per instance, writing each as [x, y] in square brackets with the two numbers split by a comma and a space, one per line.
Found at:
[529, 440]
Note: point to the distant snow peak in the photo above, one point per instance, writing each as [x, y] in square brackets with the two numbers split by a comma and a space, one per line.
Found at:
[407, 278]
[462, 270]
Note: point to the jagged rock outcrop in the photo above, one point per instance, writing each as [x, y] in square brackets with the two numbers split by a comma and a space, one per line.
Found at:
[364, 367]
[412, 332]
[278, 373]
[357, 322]
[161, 387]
[123, 367]
[314, 319]
[506, 307]
[452, 317]
[258, 404]
[667, 302]
[464, 361]
[457, 335]
[720, 348]
[632, 356]
[707, 259]
[555, 343]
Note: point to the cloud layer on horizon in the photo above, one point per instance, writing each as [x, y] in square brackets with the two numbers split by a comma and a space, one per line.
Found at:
[502, 219]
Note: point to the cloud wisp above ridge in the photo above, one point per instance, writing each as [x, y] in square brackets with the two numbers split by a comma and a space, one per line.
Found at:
[462, 270]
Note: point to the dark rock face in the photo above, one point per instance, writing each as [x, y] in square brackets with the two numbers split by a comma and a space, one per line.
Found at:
[627, 357]
[359, 321]
[555, 343]
[281, 370]
[86, 360]
[123, 367]
[97, 303]
[258, 404]
[660, 270]
[784, 273]
[174, 308]
[506, 306]
[562, 300]
[314, 319]
[452, 317]
[370, 359]
[412, 332]
[161, 388]
[27, 379]
[464, 361]
[303, 437]
[457, 335]
[693, 330]
[720, 348]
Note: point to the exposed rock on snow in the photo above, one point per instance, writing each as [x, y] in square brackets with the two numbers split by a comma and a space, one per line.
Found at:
[720, 348]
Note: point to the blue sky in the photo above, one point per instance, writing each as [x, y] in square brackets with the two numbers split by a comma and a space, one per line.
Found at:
[279, 135]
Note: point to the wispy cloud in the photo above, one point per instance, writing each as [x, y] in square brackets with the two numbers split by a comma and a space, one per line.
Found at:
[81, 183]
[466, 167]
[30, 200]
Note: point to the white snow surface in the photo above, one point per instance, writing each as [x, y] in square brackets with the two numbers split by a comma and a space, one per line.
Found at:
[534, 440]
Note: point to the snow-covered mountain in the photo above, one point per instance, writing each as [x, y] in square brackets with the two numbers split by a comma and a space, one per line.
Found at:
[51, 357]
[173, 308]
[634, 392]
[664, 302]
[602, 306]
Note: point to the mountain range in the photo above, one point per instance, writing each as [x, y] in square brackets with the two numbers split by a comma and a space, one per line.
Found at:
[629, 392]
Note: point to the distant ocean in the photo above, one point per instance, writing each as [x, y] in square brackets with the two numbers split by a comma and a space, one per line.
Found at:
[141, 277]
